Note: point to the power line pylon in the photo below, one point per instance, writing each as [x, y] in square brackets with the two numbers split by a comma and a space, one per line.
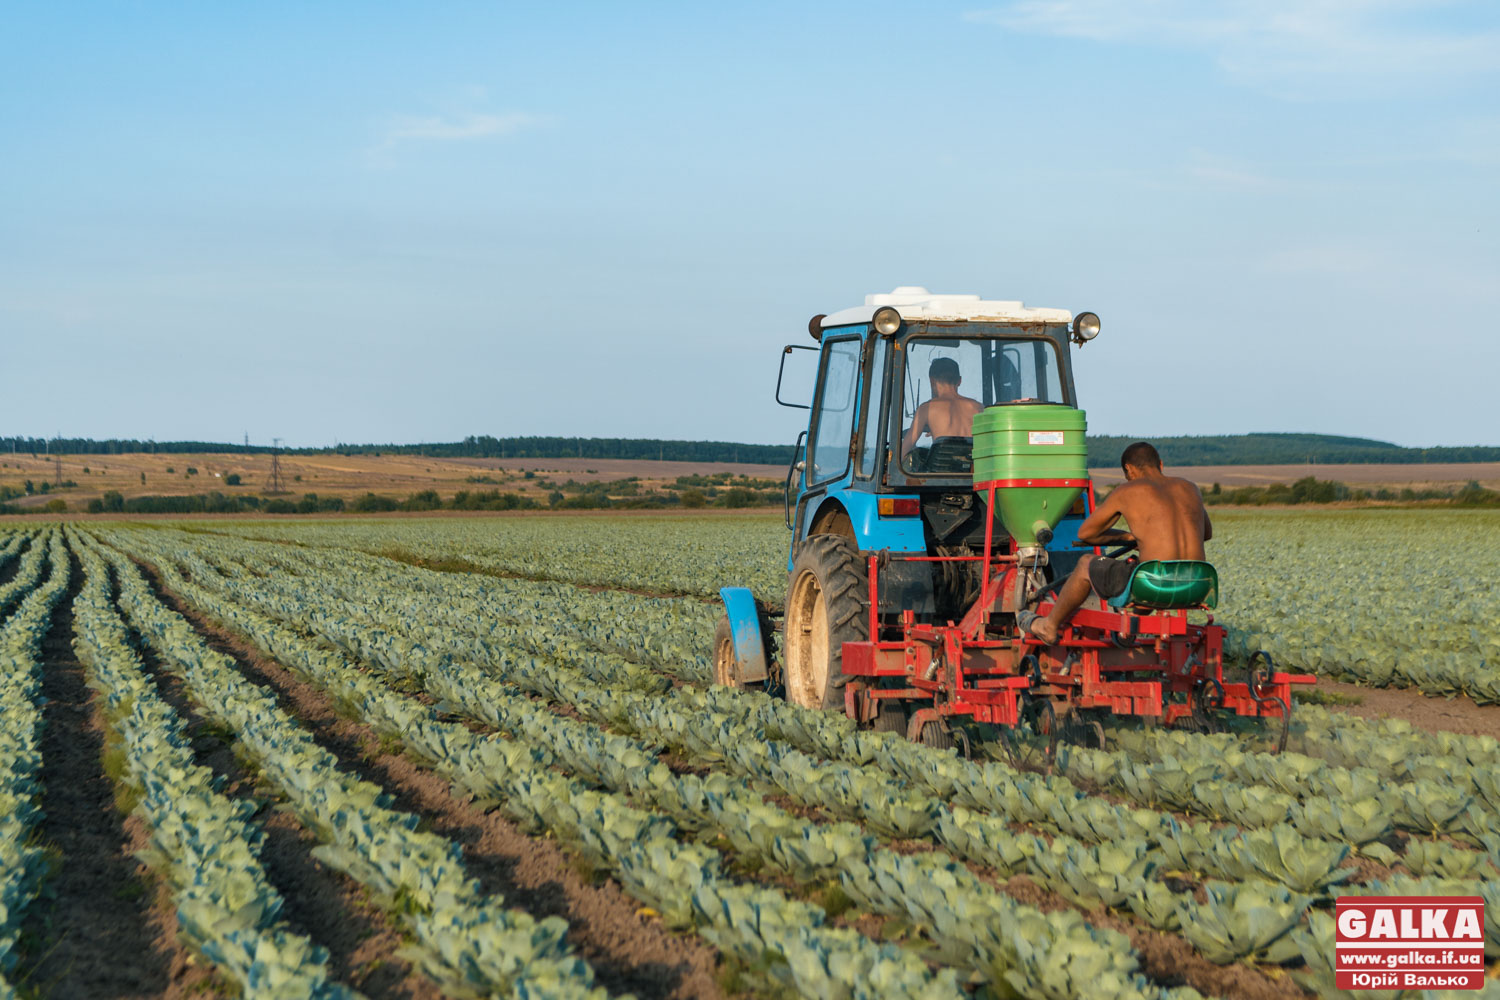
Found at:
[275, 465]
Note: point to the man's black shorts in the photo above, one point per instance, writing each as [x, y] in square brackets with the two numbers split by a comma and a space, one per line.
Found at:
[1109, 576]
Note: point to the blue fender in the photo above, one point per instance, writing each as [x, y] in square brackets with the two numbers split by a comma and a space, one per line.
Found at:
[744, 627]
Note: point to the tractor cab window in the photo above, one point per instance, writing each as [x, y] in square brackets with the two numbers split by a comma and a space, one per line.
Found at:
[833, 423]
[947, 382]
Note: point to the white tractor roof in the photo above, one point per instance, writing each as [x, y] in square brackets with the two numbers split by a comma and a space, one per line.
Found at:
[915, 302]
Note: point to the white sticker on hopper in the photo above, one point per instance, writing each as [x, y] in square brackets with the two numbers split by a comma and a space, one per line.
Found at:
[1044, 437]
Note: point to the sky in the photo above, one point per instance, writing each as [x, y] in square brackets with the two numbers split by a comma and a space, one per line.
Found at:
[413, 222]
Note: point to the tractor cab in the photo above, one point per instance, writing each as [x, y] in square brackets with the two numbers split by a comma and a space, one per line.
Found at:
[933, 504]
[887, 460]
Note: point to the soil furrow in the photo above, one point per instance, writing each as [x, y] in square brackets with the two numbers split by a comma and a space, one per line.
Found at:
[10, 567]
[630, 952]
[318, 902]
[103, 926]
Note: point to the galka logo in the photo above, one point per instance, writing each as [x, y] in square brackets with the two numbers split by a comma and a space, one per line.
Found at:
[1410, 943]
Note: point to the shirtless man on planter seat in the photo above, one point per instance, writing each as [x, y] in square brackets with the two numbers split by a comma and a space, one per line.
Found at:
[1167, 521]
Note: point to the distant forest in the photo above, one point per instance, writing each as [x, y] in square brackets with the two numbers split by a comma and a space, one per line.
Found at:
[1104, 450]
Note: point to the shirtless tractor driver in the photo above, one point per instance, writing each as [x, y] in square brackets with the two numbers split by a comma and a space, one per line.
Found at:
[946, 414]
[1166, 519]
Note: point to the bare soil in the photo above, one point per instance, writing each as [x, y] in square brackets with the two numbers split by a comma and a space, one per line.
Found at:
[1454, 715]
[103, 926]
[629, 950]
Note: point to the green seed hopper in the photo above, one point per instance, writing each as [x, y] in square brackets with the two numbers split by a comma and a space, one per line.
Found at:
[1034, 455]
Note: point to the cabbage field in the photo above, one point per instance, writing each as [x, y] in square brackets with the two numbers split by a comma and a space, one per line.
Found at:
[481, 758]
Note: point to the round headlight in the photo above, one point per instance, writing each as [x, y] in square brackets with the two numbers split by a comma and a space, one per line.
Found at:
[815, 327]
[887, 321]
[1085, 327]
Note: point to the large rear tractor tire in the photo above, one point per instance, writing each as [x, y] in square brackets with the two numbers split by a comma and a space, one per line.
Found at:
[826, 606]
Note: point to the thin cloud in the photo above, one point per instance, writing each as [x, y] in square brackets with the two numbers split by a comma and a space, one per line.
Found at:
[1224, 172]
[1343, 259]
[406, 129]
[1292, 48]
[457, 127]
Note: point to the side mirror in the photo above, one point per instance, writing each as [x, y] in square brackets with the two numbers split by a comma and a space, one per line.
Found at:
[780, 375]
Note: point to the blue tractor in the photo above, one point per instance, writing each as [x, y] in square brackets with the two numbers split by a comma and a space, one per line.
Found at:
[866, 478]
[933, 502]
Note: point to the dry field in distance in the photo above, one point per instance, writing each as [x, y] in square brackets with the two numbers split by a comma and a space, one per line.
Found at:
[333, 475]
[141, 474]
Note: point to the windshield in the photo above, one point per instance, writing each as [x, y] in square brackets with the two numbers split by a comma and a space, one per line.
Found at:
[948, 381]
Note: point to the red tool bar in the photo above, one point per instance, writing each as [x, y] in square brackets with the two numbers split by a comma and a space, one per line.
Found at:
[896, 558]
[1004, 483]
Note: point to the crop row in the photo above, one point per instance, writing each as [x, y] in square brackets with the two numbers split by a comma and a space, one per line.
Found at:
[683, 880]
[1393, 748]
[20, 738]
[203, 844]
[866, 793]
[1280, 854]
[701, 555]
[1113, 868]
[1234, 921]
[1212, 783]
[1059, 799]
[1219, 786]
[1360, 611]
[1366, 595]
[27, 570]
[11, 543]
[1368, 780]
[947, 895]
[467, 942]
[652, 632]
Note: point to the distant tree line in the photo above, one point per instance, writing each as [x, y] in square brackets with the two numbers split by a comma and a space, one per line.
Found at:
[126, 446]
[632, 449]
[1312, 490]
[1283, 449]
[1103, 450]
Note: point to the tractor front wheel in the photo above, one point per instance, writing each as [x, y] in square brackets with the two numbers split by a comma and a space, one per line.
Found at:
[724, 669]
[826, 606]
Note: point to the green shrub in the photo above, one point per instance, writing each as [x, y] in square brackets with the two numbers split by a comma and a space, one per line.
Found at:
[372, 504]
